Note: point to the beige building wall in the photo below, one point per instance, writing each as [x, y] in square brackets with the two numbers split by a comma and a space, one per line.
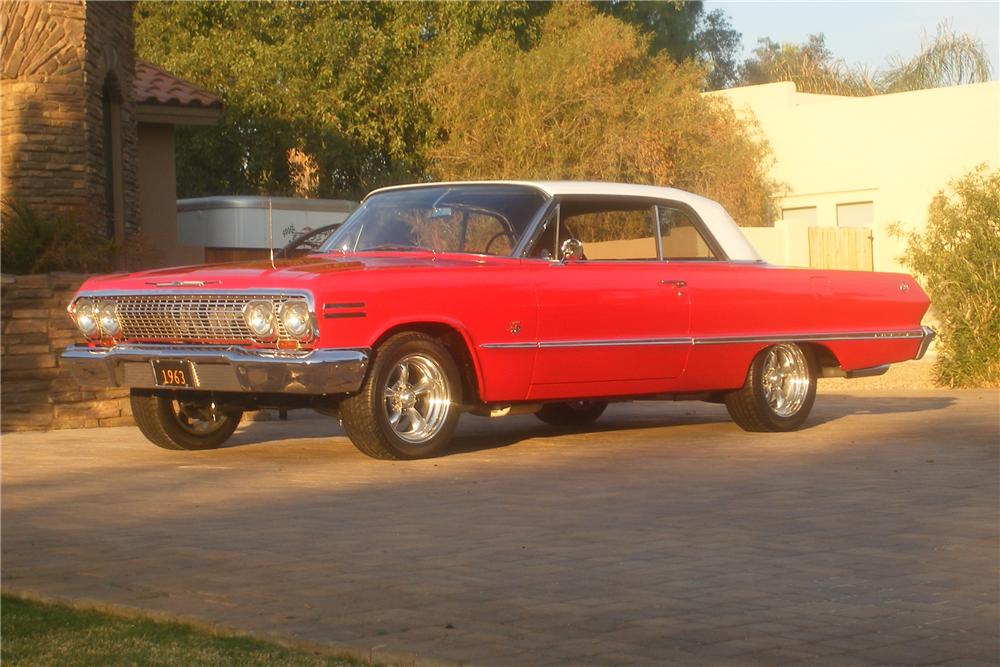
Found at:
[896, 151]
[158, 198]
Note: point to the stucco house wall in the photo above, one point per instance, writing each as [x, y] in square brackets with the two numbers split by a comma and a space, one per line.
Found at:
[896, 151]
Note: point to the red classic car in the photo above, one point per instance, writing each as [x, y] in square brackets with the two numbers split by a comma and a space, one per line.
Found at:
[437, 299]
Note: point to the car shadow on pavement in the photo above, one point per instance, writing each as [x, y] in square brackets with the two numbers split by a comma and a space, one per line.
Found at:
[482, 434]
[476, 434]
[831, 407]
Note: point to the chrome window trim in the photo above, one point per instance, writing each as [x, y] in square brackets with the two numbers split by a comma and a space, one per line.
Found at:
[715, 340]
[535, 229]
[657, 232]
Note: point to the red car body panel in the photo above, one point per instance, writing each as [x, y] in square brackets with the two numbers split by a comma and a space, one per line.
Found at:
[636, 328]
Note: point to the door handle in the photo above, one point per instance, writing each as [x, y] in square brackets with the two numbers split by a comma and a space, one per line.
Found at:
[674, 283]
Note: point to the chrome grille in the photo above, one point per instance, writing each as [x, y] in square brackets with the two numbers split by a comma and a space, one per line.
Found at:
[183, 317]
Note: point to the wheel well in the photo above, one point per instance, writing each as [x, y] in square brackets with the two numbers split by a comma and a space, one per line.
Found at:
[452, 339]
[824, 357]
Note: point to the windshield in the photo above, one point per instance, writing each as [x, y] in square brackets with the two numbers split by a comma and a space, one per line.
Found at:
[477, 219]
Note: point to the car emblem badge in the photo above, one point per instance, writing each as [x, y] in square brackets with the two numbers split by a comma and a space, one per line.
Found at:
[515, 327]
[185, 283]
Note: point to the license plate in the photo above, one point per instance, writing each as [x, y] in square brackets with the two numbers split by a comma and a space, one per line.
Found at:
[173, 373]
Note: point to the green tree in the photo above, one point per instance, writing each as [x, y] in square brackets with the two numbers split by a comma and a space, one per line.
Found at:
[718, 49]
[339, 80]
[670, 25]
[342, 82]
[591, 102]
[958, 257]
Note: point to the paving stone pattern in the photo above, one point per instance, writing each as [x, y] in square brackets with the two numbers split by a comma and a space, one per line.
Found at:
[666, 536]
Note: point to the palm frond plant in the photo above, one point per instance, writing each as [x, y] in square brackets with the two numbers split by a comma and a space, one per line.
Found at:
[949, 59]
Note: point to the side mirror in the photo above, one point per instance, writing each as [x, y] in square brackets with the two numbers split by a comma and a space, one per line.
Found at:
[571, 249]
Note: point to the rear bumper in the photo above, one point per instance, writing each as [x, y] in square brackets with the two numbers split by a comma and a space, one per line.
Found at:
[929, 336]
[231, 369]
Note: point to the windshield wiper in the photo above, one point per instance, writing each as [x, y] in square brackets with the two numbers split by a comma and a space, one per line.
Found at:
[400, 248]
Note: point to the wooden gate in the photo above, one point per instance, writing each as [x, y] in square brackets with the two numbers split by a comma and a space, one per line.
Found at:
[848, 248]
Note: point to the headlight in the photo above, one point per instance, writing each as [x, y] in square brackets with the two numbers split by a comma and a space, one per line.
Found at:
[296, 319]
[107, 318]
[259, 316]
[85, 314]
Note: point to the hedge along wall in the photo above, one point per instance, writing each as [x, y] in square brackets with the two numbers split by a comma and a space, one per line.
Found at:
[37, 393]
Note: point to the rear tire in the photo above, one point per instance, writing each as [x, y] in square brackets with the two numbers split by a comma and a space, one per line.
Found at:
[572, 414]
[779, 390]
[181, 424]
[409, 405]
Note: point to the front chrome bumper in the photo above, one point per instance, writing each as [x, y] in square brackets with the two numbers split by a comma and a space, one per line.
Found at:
[232, 369]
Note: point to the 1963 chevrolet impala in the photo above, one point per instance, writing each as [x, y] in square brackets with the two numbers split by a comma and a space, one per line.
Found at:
[491, 298]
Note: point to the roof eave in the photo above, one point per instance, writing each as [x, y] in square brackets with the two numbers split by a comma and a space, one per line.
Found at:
[175, 114]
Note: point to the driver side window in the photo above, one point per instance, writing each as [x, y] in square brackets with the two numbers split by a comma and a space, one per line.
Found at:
[610, 231]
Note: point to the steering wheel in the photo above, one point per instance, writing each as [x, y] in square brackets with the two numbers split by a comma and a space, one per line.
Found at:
[496, 236]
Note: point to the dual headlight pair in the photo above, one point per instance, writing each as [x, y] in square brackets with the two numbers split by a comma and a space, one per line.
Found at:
[96, 319]
[100, 319]
[294, 316]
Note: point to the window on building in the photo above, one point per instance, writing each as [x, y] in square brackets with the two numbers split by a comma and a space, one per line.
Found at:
[803, 215]
[857, 214]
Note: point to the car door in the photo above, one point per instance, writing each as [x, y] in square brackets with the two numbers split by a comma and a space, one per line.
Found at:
[614, 315]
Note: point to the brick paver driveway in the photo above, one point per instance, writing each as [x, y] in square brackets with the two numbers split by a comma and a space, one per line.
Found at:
[668, 536]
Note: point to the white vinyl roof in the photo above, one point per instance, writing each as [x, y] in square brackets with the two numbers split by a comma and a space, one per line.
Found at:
[715, 217]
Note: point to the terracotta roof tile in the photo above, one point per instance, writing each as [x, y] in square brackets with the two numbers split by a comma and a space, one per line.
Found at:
[152, 85]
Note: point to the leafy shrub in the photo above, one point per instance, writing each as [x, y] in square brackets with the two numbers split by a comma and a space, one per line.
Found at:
[30, 243]
[958, 256]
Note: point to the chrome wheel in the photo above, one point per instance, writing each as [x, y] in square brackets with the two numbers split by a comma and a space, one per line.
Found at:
[416, 398]
[198, 418]
[785, 379]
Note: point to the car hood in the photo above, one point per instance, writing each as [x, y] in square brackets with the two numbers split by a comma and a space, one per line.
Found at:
[301, 272]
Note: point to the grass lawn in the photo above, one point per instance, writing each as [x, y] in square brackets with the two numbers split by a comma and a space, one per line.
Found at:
[45, 634]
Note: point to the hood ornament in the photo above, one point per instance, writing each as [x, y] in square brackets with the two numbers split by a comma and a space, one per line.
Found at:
[185, 283]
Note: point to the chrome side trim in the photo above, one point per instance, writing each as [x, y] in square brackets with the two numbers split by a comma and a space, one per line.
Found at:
[509, 346]
[718, 340]
[231, 368]
[625, 342]
[929, 336]
[792, 338]
[622, 342]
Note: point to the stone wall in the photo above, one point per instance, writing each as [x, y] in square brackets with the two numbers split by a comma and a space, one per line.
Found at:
[56, 57]
[36, 392]
[109, 37]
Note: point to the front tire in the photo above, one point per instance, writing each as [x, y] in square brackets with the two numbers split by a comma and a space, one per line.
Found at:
[779, 391]
[408, 407]
[181, 424]
[573, 414]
